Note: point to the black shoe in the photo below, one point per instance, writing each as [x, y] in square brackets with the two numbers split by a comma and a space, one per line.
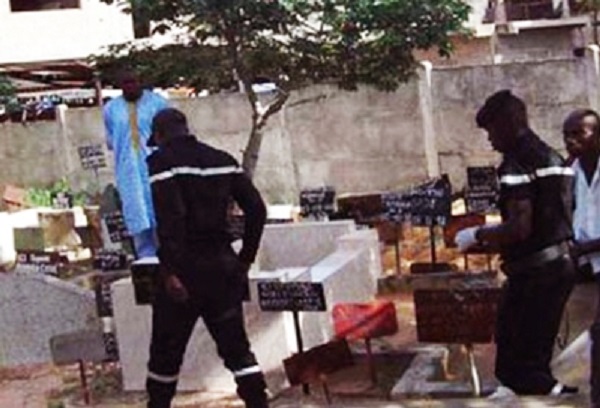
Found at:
[561, 389]
[567, 390]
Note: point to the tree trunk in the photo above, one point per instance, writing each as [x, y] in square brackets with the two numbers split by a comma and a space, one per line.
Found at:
[252, 150]
[260, 115]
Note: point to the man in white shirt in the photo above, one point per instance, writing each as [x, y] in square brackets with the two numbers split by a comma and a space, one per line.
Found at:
[581, 131]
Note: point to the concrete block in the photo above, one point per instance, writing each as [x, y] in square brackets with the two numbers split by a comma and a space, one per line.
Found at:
[31, 239]
[345, 276]
[300, 244]
[7, 240]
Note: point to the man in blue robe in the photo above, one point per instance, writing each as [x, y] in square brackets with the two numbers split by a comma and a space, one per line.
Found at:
[128, 120]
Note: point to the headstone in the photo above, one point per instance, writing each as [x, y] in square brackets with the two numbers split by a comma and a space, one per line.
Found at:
[482, 189]
[317, 202]
[110, 260]
[92, 156]
[115, 223]
[62, 200]
[104, 304]
[47, 263]
[291, 296]
[423, 205]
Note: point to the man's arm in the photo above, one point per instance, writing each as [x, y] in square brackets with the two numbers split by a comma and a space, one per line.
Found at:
[515, 228]
[255, 215]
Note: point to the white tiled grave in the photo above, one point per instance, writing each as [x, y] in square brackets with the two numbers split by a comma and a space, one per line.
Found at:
[344, 260]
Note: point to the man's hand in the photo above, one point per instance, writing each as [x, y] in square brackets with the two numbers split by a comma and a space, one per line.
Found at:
[466, 238]
[175, 289]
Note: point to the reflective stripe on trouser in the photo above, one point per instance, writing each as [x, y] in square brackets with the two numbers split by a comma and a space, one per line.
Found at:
[227, 329]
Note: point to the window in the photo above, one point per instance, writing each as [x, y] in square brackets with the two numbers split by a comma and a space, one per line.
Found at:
[41, 5]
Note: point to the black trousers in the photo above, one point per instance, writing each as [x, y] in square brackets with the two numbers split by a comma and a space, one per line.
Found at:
[528, 322]
[595, 357]
[172, 326]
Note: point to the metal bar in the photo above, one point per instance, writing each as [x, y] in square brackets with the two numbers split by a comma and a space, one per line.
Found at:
[370, 362]
[296, 314]
[432, 244]
[397, 249]
[326, 390]
[84, 385]
[474, 373]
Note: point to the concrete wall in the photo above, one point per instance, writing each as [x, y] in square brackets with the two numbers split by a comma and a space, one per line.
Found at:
[61, 34]
[357, 141]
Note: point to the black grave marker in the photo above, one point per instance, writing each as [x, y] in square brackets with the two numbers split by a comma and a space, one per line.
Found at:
[92, 156]
[427, 204]
[317, 202]
[482, 189]
[117, 230]
[110, 260]
[62, 200]
[291, 296]
[47, 263]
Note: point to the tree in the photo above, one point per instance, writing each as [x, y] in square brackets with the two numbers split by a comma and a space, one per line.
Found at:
[291, 43]
[7, 90]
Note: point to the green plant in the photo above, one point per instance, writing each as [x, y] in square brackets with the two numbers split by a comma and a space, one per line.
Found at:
[42, 197]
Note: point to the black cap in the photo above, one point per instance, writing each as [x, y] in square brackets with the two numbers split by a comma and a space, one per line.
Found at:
[494, 105]
[170, 122]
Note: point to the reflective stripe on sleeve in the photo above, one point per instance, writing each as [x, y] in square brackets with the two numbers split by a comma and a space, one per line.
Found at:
[195, 171]
[165, 379]
[555, 171]
[247, 371]
[514, 180]
[161, 176]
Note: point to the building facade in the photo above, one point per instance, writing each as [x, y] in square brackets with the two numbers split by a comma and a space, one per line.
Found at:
[54, 30]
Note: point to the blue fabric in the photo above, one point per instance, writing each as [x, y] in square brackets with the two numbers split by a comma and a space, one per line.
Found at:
[131, 171]
[145, 243]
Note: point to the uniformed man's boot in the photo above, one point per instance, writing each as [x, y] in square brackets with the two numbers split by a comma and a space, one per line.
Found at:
[252, 390]
[160, 394]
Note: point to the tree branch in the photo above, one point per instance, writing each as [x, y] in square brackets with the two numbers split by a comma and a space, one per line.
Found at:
[274, 107]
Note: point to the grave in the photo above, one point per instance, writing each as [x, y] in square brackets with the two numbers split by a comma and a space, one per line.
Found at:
[344, 261]
[35, 308]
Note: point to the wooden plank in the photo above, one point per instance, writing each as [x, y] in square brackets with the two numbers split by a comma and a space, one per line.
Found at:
[312, 365]
[461, 316]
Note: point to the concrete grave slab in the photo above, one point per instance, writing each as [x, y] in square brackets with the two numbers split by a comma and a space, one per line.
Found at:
[347, 274]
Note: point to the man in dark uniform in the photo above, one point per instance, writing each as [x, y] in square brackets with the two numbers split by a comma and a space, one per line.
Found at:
[536, 208]
[192, 187]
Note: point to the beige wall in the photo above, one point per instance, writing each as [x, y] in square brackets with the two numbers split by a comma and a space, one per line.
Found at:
[357, 141]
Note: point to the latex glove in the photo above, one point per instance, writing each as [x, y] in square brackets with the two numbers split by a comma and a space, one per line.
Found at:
[465, 238]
